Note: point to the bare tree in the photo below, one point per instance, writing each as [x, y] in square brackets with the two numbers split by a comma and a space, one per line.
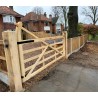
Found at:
[92, 13]
[55, 10]
[61, 11]
[38, 10]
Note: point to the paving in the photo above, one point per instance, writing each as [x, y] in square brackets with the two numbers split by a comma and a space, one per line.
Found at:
[69, 78]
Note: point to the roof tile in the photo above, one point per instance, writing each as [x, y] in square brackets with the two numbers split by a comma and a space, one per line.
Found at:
[35, 17]
[9, 11]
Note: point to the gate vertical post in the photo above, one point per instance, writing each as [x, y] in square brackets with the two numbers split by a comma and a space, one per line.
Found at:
[20, 47]
[12, 60]
[65, 45]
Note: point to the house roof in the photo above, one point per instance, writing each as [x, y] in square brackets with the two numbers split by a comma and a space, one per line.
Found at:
[54, 20]
[35, 17]
[4, 10]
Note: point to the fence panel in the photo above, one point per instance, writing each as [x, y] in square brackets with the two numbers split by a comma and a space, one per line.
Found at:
[75, 43]
[3, 66]
[69, 45]
[81, 40]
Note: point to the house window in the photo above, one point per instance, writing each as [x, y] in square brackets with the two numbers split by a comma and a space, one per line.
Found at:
[9, 19]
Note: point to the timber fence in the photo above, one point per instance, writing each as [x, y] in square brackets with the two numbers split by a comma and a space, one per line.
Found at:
[26, 58]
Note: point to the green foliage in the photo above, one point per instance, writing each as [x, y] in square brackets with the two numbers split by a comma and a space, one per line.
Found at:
[80, 28]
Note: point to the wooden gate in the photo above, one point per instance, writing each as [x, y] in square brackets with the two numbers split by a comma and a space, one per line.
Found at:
[27, 58]
[3, 66]
[38, 53]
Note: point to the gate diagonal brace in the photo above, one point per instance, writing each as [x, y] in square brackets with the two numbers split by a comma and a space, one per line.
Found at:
[37, 61]
[41, 40]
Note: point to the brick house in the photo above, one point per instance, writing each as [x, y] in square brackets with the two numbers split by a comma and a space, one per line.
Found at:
[57, 25]
[7, 18]
[34, 22]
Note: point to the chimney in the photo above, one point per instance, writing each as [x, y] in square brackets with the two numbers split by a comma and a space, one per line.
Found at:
[11, 7]
[45, 14]
[50, 16]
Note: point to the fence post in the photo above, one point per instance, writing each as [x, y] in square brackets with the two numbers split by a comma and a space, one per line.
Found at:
[83, 39]
[20, 47]
[65, 44]
[71, 45]
[12, 60]
[79, 42]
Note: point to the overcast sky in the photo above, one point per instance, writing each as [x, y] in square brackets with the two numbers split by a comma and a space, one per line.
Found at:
[26, 9]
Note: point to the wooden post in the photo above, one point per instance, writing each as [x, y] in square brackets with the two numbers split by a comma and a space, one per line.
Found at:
[71, 45]
[12, 60]
[79, 41]
[43, 55]
[83, 39]
[65, 45]
[20, 48]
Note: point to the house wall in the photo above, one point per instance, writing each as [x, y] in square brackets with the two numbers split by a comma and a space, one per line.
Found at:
[9, 19]
[54, 29]
[18, 19]
[1, 26]
[41, 26]
[35, 27]
[62, 28]
[30, 26]
[50, 26]
[9, 26]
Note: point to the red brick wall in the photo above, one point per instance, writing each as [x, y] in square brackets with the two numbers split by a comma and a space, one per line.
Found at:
[50, 26]
[36, 26]
[54, 29]
[62, 28]
[9, 26]
[1, 26]
[18, 19]
[32, 26]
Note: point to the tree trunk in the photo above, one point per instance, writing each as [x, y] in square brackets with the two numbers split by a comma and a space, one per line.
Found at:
[65, 18]
[73, 21]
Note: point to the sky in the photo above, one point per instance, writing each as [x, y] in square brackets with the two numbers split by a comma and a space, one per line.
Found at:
[26, 9]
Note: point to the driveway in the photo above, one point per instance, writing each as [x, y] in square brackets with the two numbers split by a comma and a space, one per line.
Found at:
[77, 74]
[69, 78]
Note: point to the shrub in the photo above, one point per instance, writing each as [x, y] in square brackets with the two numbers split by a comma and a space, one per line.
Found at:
[80, 28]
[90, 29]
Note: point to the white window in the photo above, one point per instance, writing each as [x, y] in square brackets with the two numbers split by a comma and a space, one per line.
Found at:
[9, 19]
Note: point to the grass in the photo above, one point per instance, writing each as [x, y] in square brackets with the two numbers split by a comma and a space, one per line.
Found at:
[93, 39]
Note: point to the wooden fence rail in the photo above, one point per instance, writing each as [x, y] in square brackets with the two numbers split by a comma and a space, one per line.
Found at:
[27, 58]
